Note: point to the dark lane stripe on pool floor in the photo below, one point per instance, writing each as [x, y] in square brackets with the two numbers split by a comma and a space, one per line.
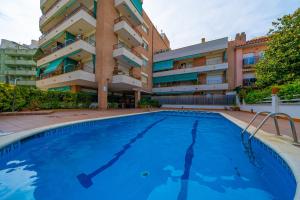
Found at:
[86, 179]
[187, 165]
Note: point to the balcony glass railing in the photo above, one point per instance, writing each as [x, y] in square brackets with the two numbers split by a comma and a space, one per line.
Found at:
[50, 8]
[74, 12]
[123, 45]
[123, 18]
[67, 43]
[61, 70]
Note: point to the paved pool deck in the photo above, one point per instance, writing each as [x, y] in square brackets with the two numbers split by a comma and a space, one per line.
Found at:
[12, 124]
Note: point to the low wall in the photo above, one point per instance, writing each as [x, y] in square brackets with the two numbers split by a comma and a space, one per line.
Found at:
[291, 109]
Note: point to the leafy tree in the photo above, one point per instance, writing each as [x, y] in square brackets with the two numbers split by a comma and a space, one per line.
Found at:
[281, 63]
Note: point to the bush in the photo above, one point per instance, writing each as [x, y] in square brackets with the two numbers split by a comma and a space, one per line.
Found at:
[29, 98]
[287, 91]
[146, 102]
[113, 105]
[255, 96]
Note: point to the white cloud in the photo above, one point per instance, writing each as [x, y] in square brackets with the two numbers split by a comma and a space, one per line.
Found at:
[19, 20]
[187, 21]
[184, 21]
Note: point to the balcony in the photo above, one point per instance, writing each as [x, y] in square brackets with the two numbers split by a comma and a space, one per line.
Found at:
[127, 32]
[20, 72]
[77, 77]
[20, 52]
[127, 56]
[200, 69]
[53, 10]
[23, 82]
[47, 4]
[123, 82]
[21, 62]
[79, 48]
[192, 88]
[130, 11]
[80, 21]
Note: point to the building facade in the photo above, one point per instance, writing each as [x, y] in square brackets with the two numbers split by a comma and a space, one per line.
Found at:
[247, 54]
[105, 47]
[199, 69]
[16, 63]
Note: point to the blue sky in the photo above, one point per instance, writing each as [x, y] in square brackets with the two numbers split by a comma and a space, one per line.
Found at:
[184, 21]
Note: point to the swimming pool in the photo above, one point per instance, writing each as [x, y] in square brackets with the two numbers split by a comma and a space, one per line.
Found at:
[163, 155]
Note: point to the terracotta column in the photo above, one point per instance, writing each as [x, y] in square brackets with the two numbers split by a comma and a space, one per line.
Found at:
[105, 39]
[137, 98]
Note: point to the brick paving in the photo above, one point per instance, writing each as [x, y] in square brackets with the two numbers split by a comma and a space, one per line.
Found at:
[10, 124]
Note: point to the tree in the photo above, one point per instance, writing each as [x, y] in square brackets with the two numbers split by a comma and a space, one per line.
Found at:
[281, 62]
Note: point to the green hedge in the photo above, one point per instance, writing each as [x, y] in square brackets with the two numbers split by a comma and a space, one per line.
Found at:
[146, 102]
[29, 98]
[287, 91]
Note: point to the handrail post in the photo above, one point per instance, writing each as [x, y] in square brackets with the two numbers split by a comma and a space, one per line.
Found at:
[276, 126]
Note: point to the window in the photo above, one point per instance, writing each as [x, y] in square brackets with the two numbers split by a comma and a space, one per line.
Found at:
[214, 61]
[145, 29]
[145, 62]
[145, 45]
[144, 79]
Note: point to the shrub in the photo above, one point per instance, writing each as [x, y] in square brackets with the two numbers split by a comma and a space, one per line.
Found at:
[113, 105]
[29, 98]
[287, 91]
[146, 102]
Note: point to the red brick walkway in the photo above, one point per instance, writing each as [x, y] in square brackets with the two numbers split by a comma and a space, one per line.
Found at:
[19, 123]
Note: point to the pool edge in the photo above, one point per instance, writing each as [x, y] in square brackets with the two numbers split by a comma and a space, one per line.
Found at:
[281, 145]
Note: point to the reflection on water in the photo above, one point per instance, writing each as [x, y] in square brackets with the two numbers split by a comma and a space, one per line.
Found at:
[17, 181]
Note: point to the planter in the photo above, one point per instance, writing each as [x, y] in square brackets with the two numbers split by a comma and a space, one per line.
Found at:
[275, 90]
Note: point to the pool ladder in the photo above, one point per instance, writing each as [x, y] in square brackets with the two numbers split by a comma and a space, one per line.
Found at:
[269, 115]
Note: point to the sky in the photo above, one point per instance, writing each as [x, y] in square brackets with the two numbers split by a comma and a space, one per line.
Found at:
[184, 21]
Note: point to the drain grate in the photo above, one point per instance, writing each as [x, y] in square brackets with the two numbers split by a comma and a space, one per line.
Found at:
[145, 174]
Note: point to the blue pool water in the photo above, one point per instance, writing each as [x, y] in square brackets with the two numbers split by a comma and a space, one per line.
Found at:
[157, 156]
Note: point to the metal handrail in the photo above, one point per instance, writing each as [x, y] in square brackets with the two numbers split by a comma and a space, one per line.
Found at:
[274, 115]
[251, 122]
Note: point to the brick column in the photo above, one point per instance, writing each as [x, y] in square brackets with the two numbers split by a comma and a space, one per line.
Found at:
[137, 98]
[105, 39]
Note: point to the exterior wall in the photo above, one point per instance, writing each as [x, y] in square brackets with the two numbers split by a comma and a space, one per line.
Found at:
[16, 61]
[196, 69]
[107, 64]
[242, 70]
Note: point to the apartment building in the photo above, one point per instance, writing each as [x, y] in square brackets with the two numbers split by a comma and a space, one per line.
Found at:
[16, 63]
[247, 54]
[199, 69]
[104, 47]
